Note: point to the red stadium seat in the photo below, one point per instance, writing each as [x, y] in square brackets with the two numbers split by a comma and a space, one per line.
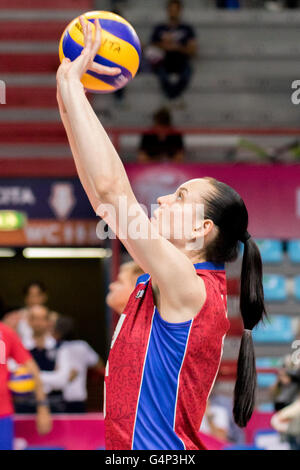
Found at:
[31, 97]
[227, 370]
[48, 4]
[33, 132]
[233, 286]
[236, 326]
[31, 30]
[29, 63]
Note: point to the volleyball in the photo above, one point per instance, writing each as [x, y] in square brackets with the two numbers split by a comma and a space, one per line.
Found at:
[21, 382]
[120, 47]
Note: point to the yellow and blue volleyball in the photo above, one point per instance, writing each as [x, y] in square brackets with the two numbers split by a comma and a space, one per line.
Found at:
[120, 47]
[21, 382]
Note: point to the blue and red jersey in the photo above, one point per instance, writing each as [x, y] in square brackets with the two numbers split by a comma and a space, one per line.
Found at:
[159, 374]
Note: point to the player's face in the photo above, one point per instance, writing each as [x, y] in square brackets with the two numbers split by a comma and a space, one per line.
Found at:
[120, 290]
[180, 213]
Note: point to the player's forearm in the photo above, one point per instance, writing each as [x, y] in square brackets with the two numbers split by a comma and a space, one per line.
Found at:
[95, 152]
[35, 371]
[80, 170]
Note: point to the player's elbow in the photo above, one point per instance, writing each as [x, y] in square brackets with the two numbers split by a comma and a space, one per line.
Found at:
[106, 190]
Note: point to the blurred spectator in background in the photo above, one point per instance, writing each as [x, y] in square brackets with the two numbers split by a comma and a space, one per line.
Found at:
[277, 5]
[218, 419]
[11, 348]
[175, 44]
[287, 422]
[161, 144]
[43, 348]
[227, 3]
[53, 317]
[287, 386]
[215, 422]
[292, 3]
[121, 289]
[35, 293]
[74, 357]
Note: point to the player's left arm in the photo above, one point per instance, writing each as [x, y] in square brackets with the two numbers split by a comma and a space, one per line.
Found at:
[22, 356]
[43, 416]
[118, 206]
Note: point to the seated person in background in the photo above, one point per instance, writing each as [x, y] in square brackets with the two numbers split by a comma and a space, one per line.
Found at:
[160, 144]
[35, 293]
[74, 357]
[228, 3]
[53, 317]
[43, 347]
[176, 44]
[215, 422]
[218, 419]
[120, 290]
[287, 422]
[287, 386]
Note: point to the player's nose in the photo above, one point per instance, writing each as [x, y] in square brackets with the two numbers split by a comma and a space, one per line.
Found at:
[163, 199]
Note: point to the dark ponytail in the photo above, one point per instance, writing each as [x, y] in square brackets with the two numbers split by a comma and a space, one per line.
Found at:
[252, 310]
[227, 210]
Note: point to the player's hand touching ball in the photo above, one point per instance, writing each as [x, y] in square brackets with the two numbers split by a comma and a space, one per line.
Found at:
[72, 71]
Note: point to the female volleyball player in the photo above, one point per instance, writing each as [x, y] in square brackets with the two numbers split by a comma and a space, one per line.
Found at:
[167, 346]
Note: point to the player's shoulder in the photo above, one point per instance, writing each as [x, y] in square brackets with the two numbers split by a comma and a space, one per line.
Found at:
[142, 279]
[7, 331]
[210, 269]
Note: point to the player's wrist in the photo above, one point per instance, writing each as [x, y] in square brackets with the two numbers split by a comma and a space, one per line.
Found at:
[42, 404]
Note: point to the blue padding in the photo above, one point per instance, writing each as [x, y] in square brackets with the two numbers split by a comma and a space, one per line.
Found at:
[293, 249]
[266, 407]
[268, 362]
[271, 250]
[274, 287]
[297, 287]
[277, 329]
[265, 380]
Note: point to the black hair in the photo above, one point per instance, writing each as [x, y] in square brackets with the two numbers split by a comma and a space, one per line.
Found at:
[224, 206]
[64, 326]
[163, 117]
[177, 2]
[2, 308]
[30, 284]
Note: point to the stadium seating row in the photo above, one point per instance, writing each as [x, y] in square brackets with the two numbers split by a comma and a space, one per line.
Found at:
[276, 329]
[272, 250]
[276, 287]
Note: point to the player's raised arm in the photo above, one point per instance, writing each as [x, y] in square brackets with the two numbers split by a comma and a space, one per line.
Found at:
[102, 171]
